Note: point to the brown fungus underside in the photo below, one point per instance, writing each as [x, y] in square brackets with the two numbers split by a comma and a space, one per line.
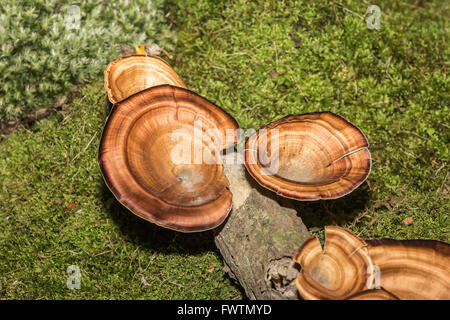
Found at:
[309, 157]
[351, 268]
[138, 158]
[336, 272]
[413, 269]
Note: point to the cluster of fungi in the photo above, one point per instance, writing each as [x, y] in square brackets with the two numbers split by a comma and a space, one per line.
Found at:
[351, 268]
[319, 156]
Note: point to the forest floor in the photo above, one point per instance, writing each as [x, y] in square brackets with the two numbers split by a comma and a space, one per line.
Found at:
[260, 62]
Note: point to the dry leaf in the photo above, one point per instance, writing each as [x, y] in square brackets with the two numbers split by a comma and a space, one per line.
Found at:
[212, 267]
[69, 207]
[408, 221]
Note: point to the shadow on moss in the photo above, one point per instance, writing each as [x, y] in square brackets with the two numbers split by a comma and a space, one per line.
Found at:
[152, 236]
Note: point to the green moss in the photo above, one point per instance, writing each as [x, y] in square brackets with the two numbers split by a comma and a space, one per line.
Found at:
[392, 83]
[281, 238]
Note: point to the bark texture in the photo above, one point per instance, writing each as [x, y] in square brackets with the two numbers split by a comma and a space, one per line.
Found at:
[259, 238]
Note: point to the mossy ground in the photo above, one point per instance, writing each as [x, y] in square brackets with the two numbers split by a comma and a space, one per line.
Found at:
[259, 61]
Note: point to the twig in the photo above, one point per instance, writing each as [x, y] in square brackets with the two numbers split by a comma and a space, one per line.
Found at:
[387, 68]
[348, 10]
[414, 134]
[377, 103]
[276, 55]
[101, 253]
[220, 68]
[440, 168]
[442, 185]
[85, 148]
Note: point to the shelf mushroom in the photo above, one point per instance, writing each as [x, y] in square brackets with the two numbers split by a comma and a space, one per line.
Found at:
[309, 157]
[378, 269]
[133, 73]
[149, 160]
[335, 273]
[413, 269]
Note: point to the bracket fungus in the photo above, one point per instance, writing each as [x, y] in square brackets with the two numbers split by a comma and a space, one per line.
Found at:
[335, 273]
[379, 269]
[413, 269]
[309, 157]
[133, 73]
[146, 160]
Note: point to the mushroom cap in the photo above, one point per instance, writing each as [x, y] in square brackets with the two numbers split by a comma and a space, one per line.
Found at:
[309, 157]
[139, 158]
[335, 273]
[349, 268]
[373, 294]
[413, 269]
[133, 73]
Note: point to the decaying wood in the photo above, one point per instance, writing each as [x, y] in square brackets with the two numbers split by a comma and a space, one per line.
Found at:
[259, 238]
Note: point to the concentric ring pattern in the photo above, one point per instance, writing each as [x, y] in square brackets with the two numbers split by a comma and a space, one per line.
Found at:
[133, 73]
[336, 272]
[309, 157]
[156, 157]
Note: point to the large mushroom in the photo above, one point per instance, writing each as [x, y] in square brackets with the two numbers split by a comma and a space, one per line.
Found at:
[309, 157]
[160, 156]
[351, 268]
[338, 271]
[133, 73]
[412, 269]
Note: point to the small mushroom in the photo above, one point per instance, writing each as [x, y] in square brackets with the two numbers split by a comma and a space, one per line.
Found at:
[309, 157]
[335, 273]
[133, 73]
[138, 157]
[412, 269]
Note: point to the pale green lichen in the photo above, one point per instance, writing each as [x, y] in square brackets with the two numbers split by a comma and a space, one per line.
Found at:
[46, 47]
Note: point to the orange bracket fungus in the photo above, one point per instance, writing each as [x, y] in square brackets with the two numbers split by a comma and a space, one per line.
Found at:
[133, 73]
[351, 268]
[335, 273]
[149, 160]
[412, 269]
[309, 157]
